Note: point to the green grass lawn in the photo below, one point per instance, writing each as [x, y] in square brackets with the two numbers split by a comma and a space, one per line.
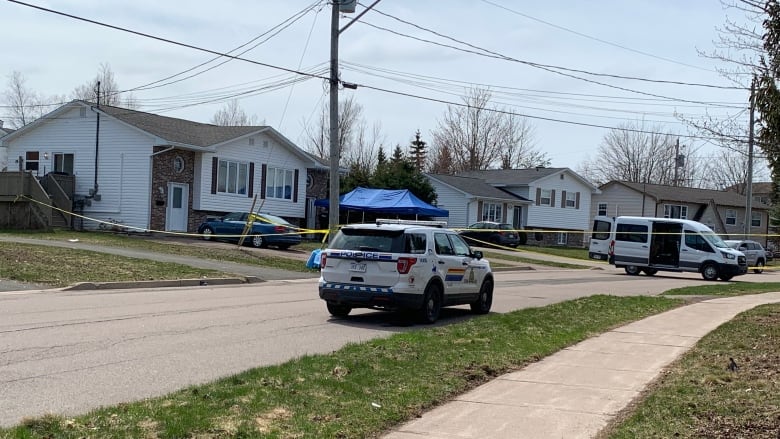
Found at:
[60, 267]
[567, 252]
[362, 389]
[725, 289]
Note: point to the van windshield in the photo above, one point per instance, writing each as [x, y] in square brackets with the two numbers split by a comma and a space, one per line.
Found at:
[714, 239]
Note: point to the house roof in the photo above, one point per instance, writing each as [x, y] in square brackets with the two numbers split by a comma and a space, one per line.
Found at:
[688, 194]
[758, 188]
[511, 176]
[475, 186]
[178, 130]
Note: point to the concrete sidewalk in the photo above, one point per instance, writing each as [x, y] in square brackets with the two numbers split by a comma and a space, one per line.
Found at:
[576, 392]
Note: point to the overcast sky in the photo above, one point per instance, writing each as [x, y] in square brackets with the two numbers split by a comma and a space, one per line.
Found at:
[651, 39]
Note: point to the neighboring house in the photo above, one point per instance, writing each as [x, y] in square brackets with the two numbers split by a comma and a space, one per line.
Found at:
[3, 151]
[762, 191]
[470, 200]
[553, 202]
[722, 211]
[154, 172]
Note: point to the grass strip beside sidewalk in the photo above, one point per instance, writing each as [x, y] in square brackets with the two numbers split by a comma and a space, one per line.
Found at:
[362, 389]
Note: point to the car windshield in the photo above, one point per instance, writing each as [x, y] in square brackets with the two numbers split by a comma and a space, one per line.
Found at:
[714, 239]
[505, 226]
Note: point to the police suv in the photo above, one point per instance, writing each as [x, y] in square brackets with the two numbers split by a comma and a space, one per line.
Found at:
[400, 264]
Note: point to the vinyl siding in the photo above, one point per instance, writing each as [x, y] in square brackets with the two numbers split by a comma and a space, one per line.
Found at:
[123, 163]
[554, 216]
[274, 155]
[623, 201]
[456, 202]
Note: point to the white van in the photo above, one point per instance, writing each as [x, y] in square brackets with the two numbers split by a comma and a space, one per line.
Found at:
[601, 237]
[649, 245]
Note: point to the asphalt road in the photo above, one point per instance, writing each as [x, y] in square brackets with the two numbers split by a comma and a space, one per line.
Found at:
[68, 352]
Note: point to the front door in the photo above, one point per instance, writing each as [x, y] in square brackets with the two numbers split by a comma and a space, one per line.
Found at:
[178, 206]
[517, 218]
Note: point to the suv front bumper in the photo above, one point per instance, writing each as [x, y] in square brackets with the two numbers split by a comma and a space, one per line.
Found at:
[360, 296]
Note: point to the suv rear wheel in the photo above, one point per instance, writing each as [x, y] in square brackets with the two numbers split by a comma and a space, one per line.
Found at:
[431, 307]
[337, 310]
[759, 267]
[485, 300]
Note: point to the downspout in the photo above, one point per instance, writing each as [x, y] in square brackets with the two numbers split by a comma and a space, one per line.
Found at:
[94, 191]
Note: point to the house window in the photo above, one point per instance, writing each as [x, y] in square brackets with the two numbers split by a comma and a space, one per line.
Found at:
[232, 177]
[562, 238]
[63, 163]
[602, 209]
[731, 217]
[31, 161]
[491, 212]
[279, 184]
[546, 197]
[571, 199]
[675, 211]
[755, 219]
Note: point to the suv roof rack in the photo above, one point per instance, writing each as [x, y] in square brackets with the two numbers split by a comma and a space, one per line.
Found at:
[380, 221]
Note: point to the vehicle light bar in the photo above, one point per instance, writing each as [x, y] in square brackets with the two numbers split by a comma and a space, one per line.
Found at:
[411, 222]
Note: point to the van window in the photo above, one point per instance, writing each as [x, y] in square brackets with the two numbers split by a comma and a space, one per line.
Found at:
[601, 229]
[695, 241]
[631, 233]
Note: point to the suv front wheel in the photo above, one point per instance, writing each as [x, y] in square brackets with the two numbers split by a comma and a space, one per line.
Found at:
[431, 307]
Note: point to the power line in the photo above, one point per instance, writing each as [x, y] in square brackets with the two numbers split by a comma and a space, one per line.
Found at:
[165, 40]
[595, 38]
[508, 58]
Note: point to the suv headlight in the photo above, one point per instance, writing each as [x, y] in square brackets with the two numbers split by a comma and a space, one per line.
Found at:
[728, 255]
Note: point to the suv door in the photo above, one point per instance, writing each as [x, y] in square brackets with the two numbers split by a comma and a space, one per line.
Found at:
[451, 265]
[475, 270]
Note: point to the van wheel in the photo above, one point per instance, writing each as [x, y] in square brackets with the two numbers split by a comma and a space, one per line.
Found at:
[337, 310]
[485, 300]
[709, 272]
[650, 271]
[759, 267]
[632, 270]
[431, 307]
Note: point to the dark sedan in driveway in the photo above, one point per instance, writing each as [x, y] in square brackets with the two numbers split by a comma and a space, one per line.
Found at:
[488, 232]
[266, 229]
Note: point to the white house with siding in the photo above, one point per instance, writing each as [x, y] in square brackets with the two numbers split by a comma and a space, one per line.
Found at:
[557, 204]
[470, 200]
[153, 172]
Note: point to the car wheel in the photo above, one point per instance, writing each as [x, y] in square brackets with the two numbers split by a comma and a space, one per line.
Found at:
[431, 306]
[632, 270]
[337, 310]
[485, 299]
[258, 241]
[650, 271]
[207, 233]
[759, 267]
[709, 272]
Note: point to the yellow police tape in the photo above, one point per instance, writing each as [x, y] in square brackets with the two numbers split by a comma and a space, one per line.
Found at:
[115, 226]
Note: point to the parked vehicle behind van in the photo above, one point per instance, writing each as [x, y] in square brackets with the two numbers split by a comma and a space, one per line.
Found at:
[753, 251]
[649, 245]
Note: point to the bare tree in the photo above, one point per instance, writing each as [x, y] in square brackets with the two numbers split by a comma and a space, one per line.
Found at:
[637, 152]
[362, 155]
[110, 93]
[728, 169]
[318, 135]
[477, 136]
[233, 115]
[24, 105]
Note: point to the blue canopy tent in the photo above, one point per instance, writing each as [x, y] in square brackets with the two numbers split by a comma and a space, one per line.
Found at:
[387, 201]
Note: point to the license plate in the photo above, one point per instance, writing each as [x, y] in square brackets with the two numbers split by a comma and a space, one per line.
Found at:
[597, 257]
[354, 266]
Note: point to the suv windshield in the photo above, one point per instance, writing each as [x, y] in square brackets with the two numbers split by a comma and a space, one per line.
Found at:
[392, 241]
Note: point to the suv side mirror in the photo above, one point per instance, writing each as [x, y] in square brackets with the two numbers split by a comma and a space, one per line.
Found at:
[477, 254]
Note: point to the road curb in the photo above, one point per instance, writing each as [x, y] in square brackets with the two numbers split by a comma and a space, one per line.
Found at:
[88, 286]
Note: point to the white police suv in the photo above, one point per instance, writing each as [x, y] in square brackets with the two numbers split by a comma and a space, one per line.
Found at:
[400, 264]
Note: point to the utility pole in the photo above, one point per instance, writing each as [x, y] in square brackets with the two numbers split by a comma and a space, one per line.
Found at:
[676, 160]
[335, 147]
[749, 179]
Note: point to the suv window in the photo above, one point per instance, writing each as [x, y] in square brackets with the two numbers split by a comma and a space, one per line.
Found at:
[460, 247]
[415, 243]
[443, 245]
[370, 240]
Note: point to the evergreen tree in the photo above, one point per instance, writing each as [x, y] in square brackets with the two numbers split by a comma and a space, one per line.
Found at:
[767, 97]
[400, 173]
[417, 151]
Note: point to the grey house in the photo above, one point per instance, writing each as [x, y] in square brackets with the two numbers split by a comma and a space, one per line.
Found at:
[722, 211]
